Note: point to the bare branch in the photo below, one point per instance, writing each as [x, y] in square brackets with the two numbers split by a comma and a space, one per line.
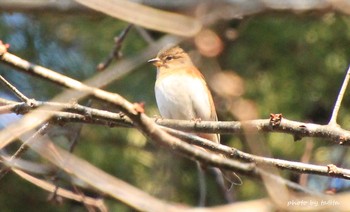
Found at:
[19, 94]
[295, 128]
[23, 148]
[98, 203]
[73, 113]
[116, 52]
[25, 165]
[282, 164]
[336, 108]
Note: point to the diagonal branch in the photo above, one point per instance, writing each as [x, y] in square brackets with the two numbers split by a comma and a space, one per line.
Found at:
[329, 170]
[116, 51]
[98, 203]
[78, 89]
[19, 94]
[333, 120]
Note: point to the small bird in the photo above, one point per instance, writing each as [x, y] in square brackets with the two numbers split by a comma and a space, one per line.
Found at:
[182, 93]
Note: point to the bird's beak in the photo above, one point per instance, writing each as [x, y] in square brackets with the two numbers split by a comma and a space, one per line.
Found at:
[155, 61]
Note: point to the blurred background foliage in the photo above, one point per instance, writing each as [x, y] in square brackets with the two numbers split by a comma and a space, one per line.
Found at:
[290, 63]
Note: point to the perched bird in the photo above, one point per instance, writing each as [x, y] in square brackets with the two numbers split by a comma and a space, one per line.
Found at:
[182, 93]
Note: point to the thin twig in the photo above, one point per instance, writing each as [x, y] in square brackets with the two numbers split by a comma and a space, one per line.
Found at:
[61, 191]
[25, 165]
[19, 94]
[23, 148]
[333, 120]
[77, 133]
[260, 160]
[116, 51]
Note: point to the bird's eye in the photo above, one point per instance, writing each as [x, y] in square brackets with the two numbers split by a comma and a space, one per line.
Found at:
[169, 58]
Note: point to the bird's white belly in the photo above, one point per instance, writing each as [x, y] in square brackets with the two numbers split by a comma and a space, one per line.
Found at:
[182, 98]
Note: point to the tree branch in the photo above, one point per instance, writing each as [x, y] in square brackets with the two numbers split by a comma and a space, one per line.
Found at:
[333, 120]
[98, 203]
[19, 94]
[329, 170]
[116, 51]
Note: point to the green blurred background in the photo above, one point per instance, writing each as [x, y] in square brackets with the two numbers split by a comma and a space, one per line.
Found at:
[291, 63]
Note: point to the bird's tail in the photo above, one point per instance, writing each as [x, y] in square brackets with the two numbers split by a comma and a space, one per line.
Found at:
[230, 176]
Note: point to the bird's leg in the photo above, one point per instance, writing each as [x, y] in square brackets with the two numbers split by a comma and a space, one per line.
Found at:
[202, 185]
[156, 118]
[197, 120]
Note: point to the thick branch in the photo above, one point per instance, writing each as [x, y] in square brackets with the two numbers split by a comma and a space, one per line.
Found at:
[295, 128]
